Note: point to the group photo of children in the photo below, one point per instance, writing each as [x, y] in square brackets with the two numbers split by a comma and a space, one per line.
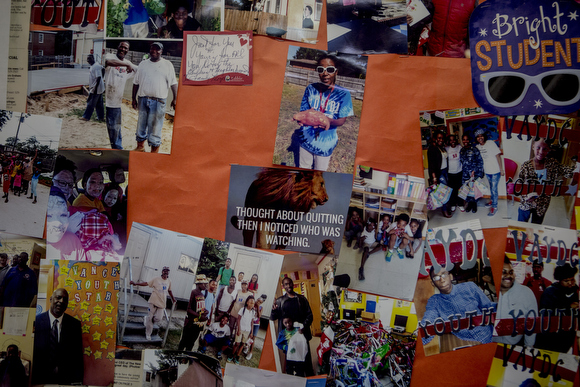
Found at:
[383, 237]
[232, 327]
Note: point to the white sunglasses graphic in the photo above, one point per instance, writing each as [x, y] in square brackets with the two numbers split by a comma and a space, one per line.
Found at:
[506, 89]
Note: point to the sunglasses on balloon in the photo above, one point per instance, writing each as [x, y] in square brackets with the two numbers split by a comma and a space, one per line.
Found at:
[508, 89]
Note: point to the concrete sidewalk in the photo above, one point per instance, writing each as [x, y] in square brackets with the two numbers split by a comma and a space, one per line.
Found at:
[20, 216]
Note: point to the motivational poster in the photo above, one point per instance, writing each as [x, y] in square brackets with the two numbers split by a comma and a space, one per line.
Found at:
[287, 209]
[217, 58]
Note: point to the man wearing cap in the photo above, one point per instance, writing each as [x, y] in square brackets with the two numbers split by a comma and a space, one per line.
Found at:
[155, 76]
[117, 71]
[157, 301]
[536, 282]
[196, 314]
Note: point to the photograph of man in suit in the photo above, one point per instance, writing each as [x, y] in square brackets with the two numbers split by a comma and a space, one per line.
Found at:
[58, 345]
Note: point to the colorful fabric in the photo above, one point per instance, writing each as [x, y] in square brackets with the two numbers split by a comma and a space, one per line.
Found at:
[554, 170]
[92, 228]
[284, 337]
[336, 103]
[83, 201]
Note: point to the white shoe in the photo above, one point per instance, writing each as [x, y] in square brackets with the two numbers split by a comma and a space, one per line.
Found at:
[461, 208]
[453, 208]
[249, 356]
[148, 337]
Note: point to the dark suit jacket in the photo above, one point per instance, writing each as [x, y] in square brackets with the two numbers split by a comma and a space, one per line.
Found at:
[69, 358]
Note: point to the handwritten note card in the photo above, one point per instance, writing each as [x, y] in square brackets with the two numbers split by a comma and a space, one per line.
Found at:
[218, 58]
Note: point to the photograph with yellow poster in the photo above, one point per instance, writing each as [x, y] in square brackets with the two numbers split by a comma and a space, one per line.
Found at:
[78, 304]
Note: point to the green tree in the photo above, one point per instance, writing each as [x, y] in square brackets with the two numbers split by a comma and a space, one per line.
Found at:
[308, 53]
[5, 116]
[213, 256]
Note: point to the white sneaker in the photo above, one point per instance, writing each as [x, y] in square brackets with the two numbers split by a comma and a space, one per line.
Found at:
[148, 337]
[461, 208]
[453, 208]
[249, 356]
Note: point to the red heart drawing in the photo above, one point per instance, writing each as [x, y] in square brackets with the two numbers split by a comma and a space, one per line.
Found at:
[243, 41]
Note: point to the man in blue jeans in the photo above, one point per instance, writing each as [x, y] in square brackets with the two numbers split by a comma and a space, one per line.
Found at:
[96, 90]
[117, 71]
[155, 76]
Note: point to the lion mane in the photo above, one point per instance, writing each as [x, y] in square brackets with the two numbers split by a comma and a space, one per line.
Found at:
[280, 189]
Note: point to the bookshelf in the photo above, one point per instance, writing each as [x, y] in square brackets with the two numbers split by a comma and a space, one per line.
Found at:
[375, 204]
[389, 193]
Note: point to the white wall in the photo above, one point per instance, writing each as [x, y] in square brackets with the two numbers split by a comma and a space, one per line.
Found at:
[164, 249]
[268, 273]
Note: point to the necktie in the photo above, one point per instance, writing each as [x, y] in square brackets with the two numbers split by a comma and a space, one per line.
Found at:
[54, 346]
[54, 337]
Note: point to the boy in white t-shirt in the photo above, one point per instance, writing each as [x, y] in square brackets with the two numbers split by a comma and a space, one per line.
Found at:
[368, 243]
[400, 234]
[218, 336]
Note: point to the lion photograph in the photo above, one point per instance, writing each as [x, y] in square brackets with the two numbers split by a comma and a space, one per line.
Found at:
[286, 209]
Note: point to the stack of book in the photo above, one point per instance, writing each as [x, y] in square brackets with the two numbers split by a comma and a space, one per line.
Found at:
[406, 186]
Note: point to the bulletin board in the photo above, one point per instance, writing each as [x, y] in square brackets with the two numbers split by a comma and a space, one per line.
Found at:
[217, 126]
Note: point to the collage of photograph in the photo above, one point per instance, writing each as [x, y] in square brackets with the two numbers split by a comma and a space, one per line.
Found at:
[291, 223]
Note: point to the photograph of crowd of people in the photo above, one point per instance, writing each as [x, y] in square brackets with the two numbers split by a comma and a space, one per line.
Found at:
[20, 258]
[539, 276]
[320, 110]
[464, 168]
[87, 206]
[367, 27]
[457, 282]
[382, 246]
[163, 19]
[28, 147]
[231, 321]
[540, 155]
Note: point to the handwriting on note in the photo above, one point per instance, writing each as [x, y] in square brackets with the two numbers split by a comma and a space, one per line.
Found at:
[218, 58]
